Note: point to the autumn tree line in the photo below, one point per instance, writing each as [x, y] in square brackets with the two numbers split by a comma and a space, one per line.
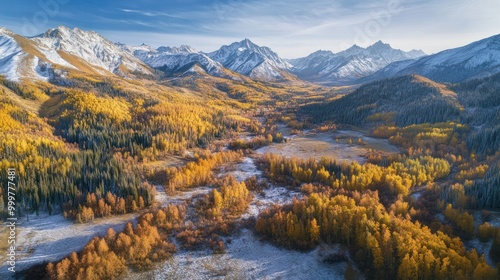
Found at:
[141, 247]
[137, 248]
[397, 178]
[194, 173]
[90, 139]
[385, 244]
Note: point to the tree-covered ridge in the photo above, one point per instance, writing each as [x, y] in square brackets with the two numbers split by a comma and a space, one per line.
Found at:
[83, 157]
[403, 100]
[93, 147]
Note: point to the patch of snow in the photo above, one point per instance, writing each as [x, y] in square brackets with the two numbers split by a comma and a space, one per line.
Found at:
[251, 60]
[178, 197]
[482, 248]
[50, 238]
[90, 47]
[247, 257]
[43, 69]
[54, 57]
[11, 56]
[243, 170]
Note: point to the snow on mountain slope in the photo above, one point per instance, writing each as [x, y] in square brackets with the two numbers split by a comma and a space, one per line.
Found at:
[349, 65]
[478, 59]
[265, 71]
[35, 58]
[251, 60]
[89, 47]
[11, 55]
[20, 59]
[174, 59]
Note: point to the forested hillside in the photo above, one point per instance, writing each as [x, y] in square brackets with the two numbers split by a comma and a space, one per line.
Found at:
[413, 163]
[404, 100]
[82, 144]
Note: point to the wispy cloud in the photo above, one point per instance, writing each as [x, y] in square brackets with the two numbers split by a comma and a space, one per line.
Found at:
[149, 13]
[292, 28]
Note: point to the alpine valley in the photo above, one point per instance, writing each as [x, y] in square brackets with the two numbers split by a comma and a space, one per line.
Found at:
[134, 162]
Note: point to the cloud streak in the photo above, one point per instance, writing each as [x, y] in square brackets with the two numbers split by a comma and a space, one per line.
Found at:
[292, 28]
[148, 13]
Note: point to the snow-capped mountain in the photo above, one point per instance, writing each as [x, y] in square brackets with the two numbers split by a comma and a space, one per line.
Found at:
[59, 50]
[62, 49]
[90, 47]
[11, 55]
[478, 59]
[175, 59]
[349, 65]
[251, 60]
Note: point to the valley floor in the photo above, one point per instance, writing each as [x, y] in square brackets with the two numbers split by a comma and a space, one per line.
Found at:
[47, 238]
[341, 145]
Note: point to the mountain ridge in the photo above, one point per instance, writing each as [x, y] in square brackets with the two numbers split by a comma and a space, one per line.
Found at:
[347, 66]
[59, 50]
[251, 60]
[474, 60]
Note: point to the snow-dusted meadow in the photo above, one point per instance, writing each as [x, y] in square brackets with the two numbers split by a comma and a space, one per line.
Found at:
[47, 238]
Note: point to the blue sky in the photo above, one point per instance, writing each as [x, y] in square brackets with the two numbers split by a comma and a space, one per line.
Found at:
[292, 28]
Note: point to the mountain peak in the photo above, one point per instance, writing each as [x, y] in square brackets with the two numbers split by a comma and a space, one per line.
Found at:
[379, 45]
[183, 49]
[4, 30]
[247, 41]
[355, 47]
[354, 50]
[321, 53]
[379, 42]
[245, 44]
[61, 32]
[247, 58]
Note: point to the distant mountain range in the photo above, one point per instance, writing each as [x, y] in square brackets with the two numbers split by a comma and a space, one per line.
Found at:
[476, 60]
[176, 59]
[52, 54]
[405, 100]
[348, 66]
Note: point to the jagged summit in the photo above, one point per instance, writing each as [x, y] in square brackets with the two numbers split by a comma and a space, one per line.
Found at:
[349, 65]
[4, 30]
[250, 59]
[89, 52]
[177, 50]
[478, 59]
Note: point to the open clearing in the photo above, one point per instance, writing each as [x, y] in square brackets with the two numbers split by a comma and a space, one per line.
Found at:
[50, 238]
[342, 145]
[4, 236]
[246, 256]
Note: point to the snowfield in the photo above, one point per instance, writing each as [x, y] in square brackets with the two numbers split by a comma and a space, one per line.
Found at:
[247, 258]
[10, 56]
[47, 238]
